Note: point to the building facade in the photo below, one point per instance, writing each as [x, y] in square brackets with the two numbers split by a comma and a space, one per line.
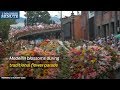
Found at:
[72, 27]
[84, 25]
[107, 23]
[100, 23]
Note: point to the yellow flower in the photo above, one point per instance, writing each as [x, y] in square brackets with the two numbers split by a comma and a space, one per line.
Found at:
[83, 51]
[45, 72]
[82, 56]
[93, 61]
[79, 57]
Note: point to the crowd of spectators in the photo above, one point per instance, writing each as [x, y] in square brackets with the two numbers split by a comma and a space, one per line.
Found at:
[108, 41]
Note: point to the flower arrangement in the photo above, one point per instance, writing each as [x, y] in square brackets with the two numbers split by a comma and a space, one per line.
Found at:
[4, 68]
[3, 51]
[40, 73]
[86, 64]
[75, 63]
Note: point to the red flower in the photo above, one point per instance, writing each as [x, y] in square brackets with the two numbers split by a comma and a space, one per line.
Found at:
[78, 53]
[77, 76]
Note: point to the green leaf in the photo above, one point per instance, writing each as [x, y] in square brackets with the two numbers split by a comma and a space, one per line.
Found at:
[34, 17]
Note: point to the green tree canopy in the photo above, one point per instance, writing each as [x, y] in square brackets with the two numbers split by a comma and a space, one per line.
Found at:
[34, 17]
[5, 27]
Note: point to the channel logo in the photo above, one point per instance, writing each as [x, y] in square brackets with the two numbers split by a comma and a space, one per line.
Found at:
[9, 14]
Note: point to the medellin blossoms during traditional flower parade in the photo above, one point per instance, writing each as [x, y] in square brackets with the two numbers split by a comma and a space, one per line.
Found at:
[75, 46]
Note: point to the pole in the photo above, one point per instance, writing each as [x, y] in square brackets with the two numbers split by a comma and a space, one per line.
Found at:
[62, 33]
[119, 20]
[73, 28]
[115, 21]
[26, 19]
[72, 25]
[95, 27]
[77, 12]
[87, 20]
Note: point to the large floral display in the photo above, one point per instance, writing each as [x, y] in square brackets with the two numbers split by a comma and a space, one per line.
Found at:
[29, 29]
[44, 49]
[93, 62]
[75, 63]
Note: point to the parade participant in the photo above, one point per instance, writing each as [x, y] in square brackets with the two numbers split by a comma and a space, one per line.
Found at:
[84, 46]
[99, 41]
[113, 45]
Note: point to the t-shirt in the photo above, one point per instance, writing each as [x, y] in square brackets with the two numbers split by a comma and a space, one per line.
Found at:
[100, 41]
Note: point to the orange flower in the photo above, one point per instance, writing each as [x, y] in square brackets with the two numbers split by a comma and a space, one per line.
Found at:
[32, 53]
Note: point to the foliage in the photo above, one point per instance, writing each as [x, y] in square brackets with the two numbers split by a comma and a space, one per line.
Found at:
[34, 17]
[5, 26]
[64, 65]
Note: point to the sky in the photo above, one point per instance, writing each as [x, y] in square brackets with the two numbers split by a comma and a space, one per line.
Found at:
[53, 13]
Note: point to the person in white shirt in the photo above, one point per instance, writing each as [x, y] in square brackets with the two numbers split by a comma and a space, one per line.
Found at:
[84, 46]
[100, 41]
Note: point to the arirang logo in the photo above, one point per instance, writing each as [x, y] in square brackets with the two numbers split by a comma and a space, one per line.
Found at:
[9, 14]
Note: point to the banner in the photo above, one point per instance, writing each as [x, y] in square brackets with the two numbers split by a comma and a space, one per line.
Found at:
[91, 14]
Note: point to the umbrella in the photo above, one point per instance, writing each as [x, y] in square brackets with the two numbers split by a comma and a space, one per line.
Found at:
[117, 36]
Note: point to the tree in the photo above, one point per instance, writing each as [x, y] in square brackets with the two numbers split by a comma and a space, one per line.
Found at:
[34, 17]
[5, 27]
[52, 21]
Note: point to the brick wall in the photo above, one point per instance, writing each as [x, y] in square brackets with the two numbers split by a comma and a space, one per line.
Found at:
[107, 17]
[101, 18]
[84, 25]
[77, 28]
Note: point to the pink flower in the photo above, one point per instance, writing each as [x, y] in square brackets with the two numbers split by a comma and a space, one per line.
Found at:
[108, 57]
[87, 77]
[79, 75]
[107, 63]
[2, 70]
[93, 74]
[53, 53]
[69, 54]
[47, 40]
[38, 50]
[18, 53]
[103, 69]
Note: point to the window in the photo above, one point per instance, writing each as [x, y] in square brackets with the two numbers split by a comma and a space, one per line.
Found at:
[105, 12]
[118, 23]
[97, 12]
